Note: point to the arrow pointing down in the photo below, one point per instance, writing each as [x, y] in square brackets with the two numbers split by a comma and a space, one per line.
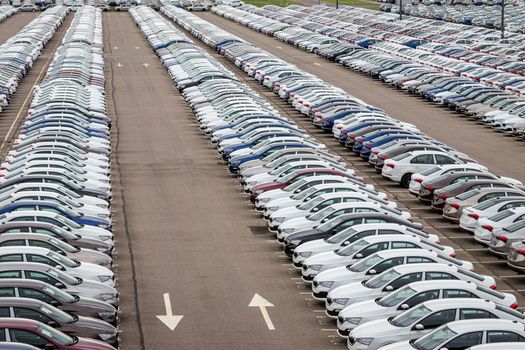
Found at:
[170, 320]
[262, 304]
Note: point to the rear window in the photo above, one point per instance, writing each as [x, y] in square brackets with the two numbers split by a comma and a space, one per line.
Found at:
[486, 204]
[512, 228]
[500, 216]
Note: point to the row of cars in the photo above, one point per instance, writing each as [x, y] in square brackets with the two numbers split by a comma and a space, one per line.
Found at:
[19, 52]
[57, 287]
[469, 76]
[480, 202]
[488, 16]
[7, 11]
[346, 239]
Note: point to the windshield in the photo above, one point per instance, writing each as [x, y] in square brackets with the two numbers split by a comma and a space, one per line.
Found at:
[287, 178]
[69, 202]
[341, 236]
[295, 185]
[57, 336]
[280, 170]
[397, 296]
[409, 317]
[500, 216]
[61, 259]
[303, 194]
[432, 340]
[56, 314]
[321, 214]
[59, 294]
[311, 203]
[331, 224]
[63, 277]
[366, 263]
[353, 248]
[67, 222]
[382, 279]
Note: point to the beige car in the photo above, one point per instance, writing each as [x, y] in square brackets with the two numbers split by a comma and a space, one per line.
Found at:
[454, 206]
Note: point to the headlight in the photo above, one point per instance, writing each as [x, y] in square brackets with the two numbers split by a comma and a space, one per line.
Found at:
[288, 230]
[103, 262]
[106, 315]
[104, 238]
[106, 296]
[341, 301]
[355, 320]
[106, 337]
[103, 216]
[295, 243]
[104, 278]
[315, 267]
[102, 206]
[279, 219]
[305, 254]
[365, 341]
[273, 209]
[264, 200]
[103, 225]
[327, 284]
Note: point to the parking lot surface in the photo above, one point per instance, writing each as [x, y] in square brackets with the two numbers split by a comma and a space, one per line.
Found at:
[176, 196]
[497, 153]
[12, 25]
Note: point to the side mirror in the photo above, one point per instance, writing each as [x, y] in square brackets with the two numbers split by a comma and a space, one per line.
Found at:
[324, 220]
[404, 307]
[52, 323]
[389, 288]
[54, 302]
[60, 285]
[359, 256]
[59, 267]
[372, 272]
[419, 327]
[50, 346]
[298, 190]
[346, 243]
[307, 199]
[315, 209]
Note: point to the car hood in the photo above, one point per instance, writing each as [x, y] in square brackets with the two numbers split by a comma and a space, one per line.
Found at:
[315, 246]
[90, 344]
[377, 329]
[352, 290]
[284, 212]
[88, 327]
[327, 258]
[368, 308]
[340, 273]
[94, 305]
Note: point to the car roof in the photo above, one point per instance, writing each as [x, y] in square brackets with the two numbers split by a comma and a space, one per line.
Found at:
[439, 304]
[466, 326]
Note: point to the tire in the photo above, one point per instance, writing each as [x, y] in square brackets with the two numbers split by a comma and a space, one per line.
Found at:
[405, 180]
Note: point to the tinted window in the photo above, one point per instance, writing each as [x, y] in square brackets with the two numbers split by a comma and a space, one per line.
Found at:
[7, 292]
[418, 260]
[374, 248]
[10, 274]
[13, 243]
[439, 318]
[404, 280]
[465, 341]
[458, 293]
[11, 257]
[34, 294]
[423, 159]
[439, 276]
[403, 245]
[503, 337]
[2, 334]
[21, 336]
[4, 312]
[421, 297]
[41, 277]
[31, 314]
[385, 265]
[441, 159]
[468, 314]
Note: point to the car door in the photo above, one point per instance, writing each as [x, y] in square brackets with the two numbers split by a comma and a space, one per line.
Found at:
[504, 337]
[22, 312]
[421, 162]
[431, 322]
[36, 294]
[464, 341]
[371, 249]
[403, 281]
[27, 337]
[419, 298]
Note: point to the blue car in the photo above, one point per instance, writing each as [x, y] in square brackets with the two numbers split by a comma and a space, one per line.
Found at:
[254, 141]
[367, 147]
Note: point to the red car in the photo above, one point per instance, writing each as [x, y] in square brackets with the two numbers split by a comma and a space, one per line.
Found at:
[296, 176]
[42, 336]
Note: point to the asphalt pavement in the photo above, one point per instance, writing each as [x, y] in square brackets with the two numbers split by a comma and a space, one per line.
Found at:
[12, 25]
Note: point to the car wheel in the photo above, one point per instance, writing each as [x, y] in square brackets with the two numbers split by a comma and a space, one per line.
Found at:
[405, 180]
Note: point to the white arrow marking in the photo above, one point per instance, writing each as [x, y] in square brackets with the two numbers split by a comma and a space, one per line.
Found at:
[145, 65]
[262, 304]
[278, 47]
[137, 48]
[170, 320]
[317, 64]
[119, 65]
[115, 48]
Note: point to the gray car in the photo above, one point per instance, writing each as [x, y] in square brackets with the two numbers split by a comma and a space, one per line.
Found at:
[502, 239]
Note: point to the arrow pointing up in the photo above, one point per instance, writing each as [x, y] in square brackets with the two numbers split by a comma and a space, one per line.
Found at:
[262, 304]
[170, 320]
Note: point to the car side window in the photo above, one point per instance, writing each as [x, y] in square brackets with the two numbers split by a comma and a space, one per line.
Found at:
[41, 277]
[512, 205]
[439, 318]
[363, 234]
[468, 314]
[10, 274]
[503, 337]
[388, 263]
[387, 232]
[34, 294]
[458, 293]
[40, 259]
[24, 218]
[42, 244]
[519, 218]
[418, 260]
[406, 279]
[347, 225]
[423, 159]
[4, 312]
[11, 258]
[374, 221]
[7, 292]
[422, 297]
[13, 243]
[374, 248]
[21, 312]
[26, 337]
[403, 245]
[439, 276]
[491, 195]
[2, 335]
[441, 159]
[465, 341]
[49, 221]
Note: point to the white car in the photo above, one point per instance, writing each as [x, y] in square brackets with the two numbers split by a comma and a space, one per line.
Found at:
[377, 263]
[418, 178]
[485, 226]
[422, 319]
[497, 346]
[395, 278]
[352, 234]
[363, 248]
[321, 216]
[46, 256]
[466, 334]
[471, 215]
[412, 295]
[402, 167]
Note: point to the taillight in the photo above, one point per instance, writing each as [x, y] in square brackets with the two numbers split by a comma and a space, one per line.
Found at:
[443, 196]
[493, 286]
[427, 187]
[383, 157]
[488, 227]
[328, 120]
[521, 251]
[453, 255]
[474, 216]
[514, 306]
[501, 238]
[455, 205]
[419, 180]
[267, 78]
[368, 146]
[391, 165]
